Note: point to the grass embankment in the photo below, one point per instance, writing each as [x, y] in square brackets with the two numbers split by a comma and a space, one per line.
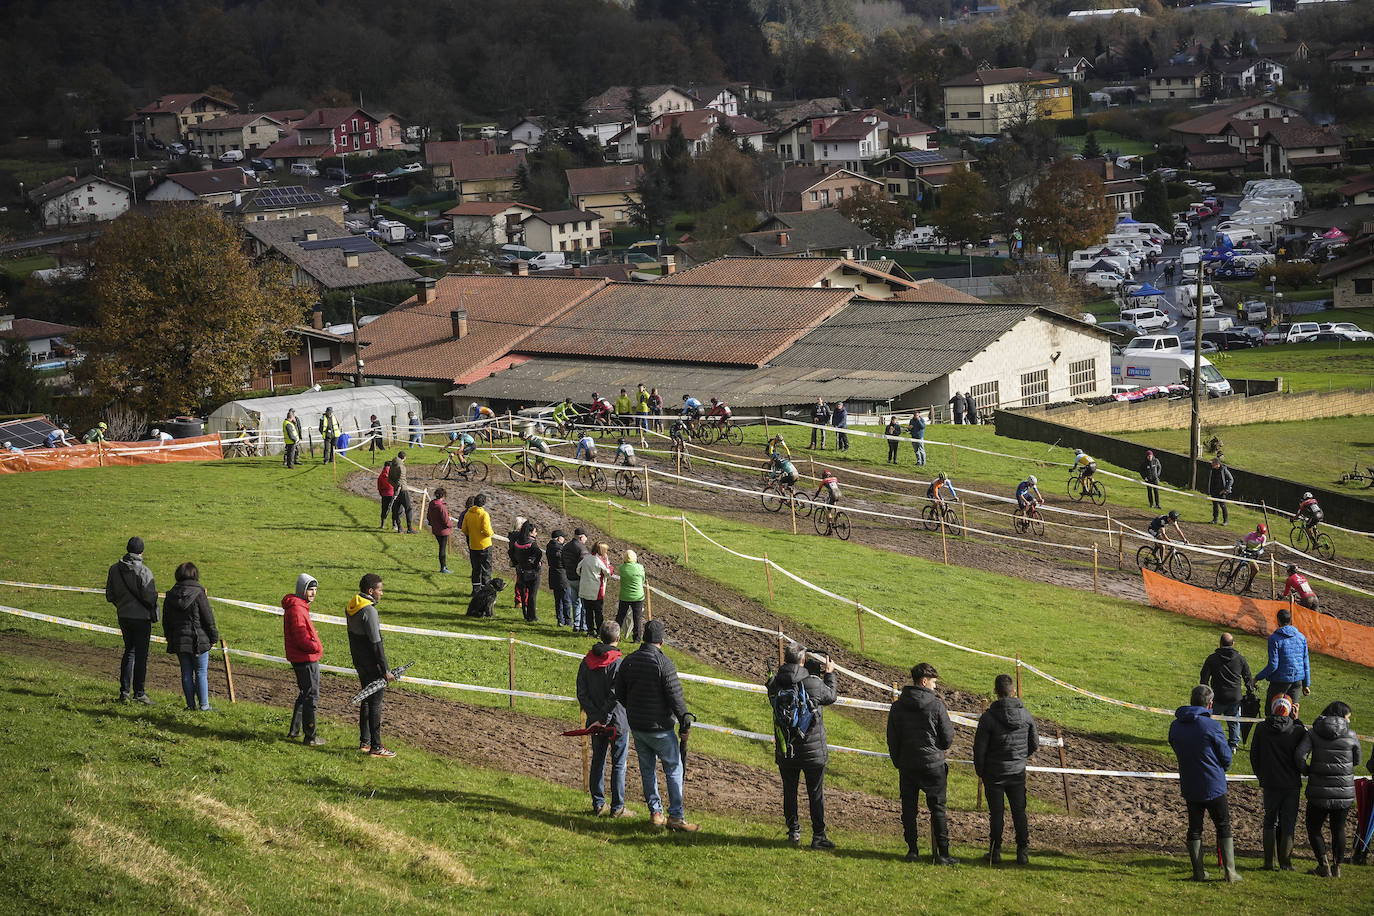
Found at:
[1108, 140]
[22, 267]
[134, 810]
[1303, 367]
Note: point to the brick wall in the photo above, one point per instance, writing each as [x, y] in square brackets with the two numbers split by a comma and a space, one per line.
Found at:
[1123, 417]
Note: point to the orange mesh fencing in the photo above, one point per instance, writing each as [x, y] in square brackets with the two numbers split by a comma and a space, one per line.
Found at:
[106, 454]
[1327, 635]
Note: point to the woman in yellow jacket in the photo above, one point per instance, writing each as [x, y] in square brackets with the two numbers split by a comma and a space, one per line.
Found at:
[477, 529]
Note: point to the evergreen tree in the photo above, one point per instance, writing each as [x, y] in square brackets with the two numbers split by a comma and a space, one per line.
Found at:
[1090, 148]
[1154, 205]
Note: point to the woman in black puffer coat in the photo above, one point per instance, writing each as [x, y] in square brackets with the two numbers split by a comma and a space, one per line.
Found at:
[189, 625]
[1330, 782]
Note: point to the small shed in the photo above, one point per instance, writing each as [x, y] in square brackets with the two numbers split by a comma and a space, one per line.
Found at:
[354, 408]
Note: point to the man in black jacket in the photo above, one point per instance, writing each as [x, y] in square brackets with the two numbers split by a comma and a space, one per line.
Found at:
[558, 578]
[369, 660]
[798, 755]
[1219, 484]
[820, 416]
[1005, 738]
[1228, 674]
[573, 552]
[651, 693]
[918, 734]
[1273, 757]
[129, 587]
[1150, 470]
[596, 678]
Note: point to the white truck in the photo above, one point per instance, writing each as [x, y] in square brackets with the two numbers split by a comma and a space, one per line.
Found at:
[1144, 370]
[390, 230]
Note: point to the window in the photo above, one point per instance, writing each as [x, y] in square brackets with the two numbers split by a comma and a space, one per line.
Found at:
[355, 142]
[1082, 377]
[975, 114]
[986, 396]
[355, 125]
[619, 215]
[90, 201]
[1035, 387]
[320, 357]
[839, 193]
[954, 114]
[1364, 287]
[253, 129]
[281, 363]
[894, 189]
[1321, 149]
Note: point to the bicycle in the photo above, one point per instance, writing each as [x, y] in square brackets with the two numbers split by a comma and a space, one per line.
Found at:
[1172, 563]
[776, 496]
[591, 477]
[1356, 477]
[467, 470]
[627, 483]
[678, 453]
[726, 431]
[1030, 521]
[931, 516]
[1093, 490]
[241, 448]
[829, 520]
[1236, 574]
[538, 470]
[1309, 540]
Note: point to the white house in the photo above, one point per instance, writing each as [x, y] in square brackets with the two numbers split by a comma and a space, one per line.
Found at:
[45, 339]
[493, 222]
[563, 230]
[68, 201]
[723, 99]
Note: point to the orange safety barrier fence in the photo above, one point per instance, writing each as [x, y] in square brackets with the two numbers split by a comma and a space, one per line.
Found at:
[198, 448]
[1341, 639]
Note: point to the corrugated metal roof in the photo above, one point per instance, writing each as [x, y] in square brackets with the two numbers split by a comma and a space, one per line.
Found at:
[725, 325]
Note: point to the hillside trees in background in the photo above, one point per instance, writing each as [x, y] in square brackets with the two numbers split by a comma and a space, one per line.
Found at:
[1068, 208]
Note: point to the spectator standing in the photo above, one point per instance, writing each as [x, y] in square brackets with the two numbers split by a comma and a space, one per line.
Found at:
[919, 732]
[1228, 674]
[558, 578]
[971, 417]
[918, 437]
[656, 408]
[511, 537]
[1335, 753]
[573, 553]
[291, 439]
[624, 407]
[189, 625]
[386, 491]
[374, 429]
[593, 572]
[529, 559]
[329, 432]
[477, 529]
[1149, 472]
[401, 502]
[631, 595]
[596, 694]
[642, 411]
[820, 419]
[1286, 669]
[840, 420]
[1203, 759]
[304, 651]
[369, 660]
[958, 405]
[799, 756]
[1005, 739]
[893, 432]
[129, 587]
[1219, 484]
[413, 424]
[441, 525]
[651, 693]
[1273, 758]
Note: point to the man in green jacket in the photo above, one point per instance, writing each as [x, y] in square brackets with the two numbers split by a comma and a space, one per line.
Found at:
[329, 431]
[631, 594]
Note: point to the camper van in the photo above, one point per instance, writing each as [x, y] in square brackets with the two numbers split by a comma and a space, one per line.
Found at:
[1141, 370]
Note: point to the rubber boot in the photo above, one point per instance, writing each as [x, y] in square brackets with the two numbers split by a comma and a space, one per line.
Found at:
[295, 731]
[1286, 853]
[994, 856]
[1022, 855]
[1269, 846]
[1321, 871]
[1228, 859]
[1195, 854]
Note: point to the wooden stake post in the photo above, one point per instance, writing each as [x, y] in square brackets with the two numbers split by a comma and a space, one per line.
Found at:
[963, 517]
[1064, 762]
[647, 501]
[686, 560]
[858, 609]
[1018, 677]
[1095, 567]
[780, 648]
[228, 671]
[1109, 528]
[610, 520]
[563, 488]
[793, 503]
[1273, 578]
[1120, 548]
[768, 575]
[944, 545]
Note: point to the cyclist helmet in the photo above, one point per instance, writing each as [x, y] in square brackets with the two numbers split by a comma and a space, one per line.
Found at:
[942, 476]
[686, 396]
[155, 431]
[102, 425]
[595, 395]
[1077, 452]
[1291, 569]
[525, 434]
[453, 434]
[622, 440]
[1173, 515]
[567, 400]
[1263, 529]
[715, 401]
[1307, 495]
[1031, 480]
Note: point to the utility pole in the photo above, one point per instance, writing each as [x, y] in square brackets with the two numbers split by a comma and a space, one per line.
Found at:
[357, 349]
[1195, 428]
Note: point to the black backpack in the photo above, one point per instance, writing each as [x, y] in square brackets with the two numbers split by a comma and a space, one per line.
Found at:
[792, 717]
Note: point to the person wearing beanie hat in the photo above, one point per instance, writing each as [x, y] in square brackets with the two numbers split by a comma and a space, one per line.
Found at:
[1150, 469]
[130, 588]
[558, 578]
[652, 695]
[303, 651]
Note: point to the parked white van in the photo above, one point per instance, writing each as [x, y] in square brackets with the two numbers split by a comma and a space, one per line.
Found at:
[305, 169]
[1150, 369]
[1147, 319]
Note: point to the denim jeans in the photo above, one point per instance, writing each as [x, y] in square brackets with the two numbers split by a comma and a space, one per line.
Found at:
[195, 685]
[575, 607]
[919, 447]
[1232, 728]
[652, 747]
[133, 664]
[620, 750]
[562, 606]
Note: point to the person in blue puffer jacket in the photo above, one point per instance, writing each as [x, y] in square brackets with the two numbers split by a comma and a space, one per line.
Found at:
[1203, 759]
[1287, 670]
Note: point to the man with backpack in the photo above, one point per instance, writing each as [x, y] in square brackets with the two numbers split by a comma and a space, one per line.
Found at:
[919, 732]
[596, 679]
[797, 694]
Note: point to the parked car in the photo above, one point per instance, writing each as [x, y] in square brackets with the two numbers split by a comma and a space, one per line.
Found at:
[1120, 330]
[1350, 330]
[231, 155]
[178, 148]
[412, 167]
[441, 242]
[1146, 319]
[261, 165]
[1296, 332]
[304, 169]
[333, 189]
[1254, 310]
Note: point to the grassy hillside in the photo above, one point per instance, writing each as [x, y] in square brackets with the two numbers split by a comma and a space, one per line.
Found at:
[1303, 367]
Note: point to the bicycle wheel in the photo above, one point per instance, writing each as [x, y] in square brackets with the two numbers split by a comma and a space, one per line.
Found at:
[1019, 524]
[1325, 548]
[821, 520]
[1037, 525]
[1245, 577]
[1297, 536]
[517, 471]
[622, 482]
[930, 519]
[952, 520]
[551, 474]
[636, 488]
[1145, 557]
[841, 525]
[803, 503]
[1097, 494]
[1225, 573]
[1075, 489]
[586, 476]
[772, 499]
[734, 435]
[477, 470]
[1180, 567]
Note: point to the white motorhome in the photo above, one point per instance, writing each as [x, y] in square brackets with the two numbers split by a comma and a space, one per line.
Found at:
[1184, 296]
[1140, 370]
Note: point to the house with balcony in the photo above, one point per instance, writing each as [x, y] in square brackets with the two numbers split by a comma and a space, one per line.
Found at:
[251, 133]
[1359, 62]
[170, 117]
[479, 177]
[814, 187]
[1285, 147]
[986, 102]
[490, 222]
[607, 190]
[563, 230]
[342, 130]
[914, 174]
[700, 128]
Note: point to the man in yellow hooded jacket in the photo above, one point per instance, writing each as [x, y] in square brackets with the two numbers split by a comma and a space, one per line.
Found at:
[369, 659]
[477, 529]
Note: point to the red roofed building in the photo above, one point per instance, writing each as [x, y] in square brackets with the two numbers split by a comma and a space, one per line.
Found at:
[699, 127]
[850, 139]
[479, 177]
[491, 222]
[170, 117]
[343, 130]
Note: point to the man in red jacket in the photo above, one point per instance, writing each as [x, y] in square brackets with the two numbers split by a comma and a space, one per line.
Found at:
[303, 651]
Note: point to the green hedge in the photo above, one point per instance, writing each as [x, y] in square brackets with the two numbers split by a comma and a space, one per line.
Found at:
[1072, 127]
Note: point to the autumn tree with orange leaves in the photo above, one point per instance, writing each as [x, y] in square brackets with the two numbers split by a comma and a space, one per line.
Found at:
[1068, 209]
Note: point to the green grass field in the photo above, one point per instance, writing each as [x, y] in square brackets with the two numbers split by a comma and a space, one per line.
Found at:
[1303, 367]
[127, 810]
[1106, 139]
[22, 267]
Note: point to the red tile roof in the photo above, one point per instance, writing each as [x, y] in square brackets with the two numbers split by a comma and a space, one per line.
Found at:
[290, 147]
[449, 150]
[34, 328]
[486, 168]
[486, 208]
[607, 179]
[214, 181]
[171, 104]
[331, 117]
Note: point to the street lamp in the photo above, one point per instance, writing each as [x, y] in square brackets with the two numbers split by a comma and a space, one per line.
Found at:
[1273, 290]
[1278, 299]
[968, 249]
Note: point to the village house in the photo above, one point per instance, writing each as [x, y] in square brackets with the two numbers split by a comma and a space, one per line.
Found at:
[912, 174]
[215, 187]
[986, 102]
[251, 133]
[169, 118]
[479, 177]
[563, 230]
[607, 190]
[812, 187]
[494, 222]
[69, 201]
[1211, 125]
[1285, 147]
[342, 130]
[275, 202]
[325, 256]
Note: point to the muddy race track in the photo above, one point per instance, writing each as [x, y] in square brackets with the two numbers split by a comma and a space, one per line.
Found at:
[1111, 813]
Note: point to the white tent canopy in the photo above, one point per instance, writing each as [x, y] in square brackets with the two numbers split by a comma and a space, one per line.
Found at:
[353, 407]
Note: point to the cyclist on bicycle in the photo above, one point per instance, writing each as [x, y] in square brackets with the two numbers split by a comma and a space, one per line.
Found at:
[691, 407]
[783, 471]
[1309, 513]
[564, 413]
[586, 448]
[1252, 545]
[1159, 530]
[775, 445]
[831, 485]
[625, 454]
[1085, 467]
[481, 412]
[677, 433]
[600, 410]
[534, 443]
[1297, 582]
[1028, 496]
[941, 482]
[719, 413]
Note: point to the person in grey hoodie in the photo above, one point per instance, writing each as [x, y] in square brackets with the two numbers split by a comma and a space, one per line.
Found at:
[1005, 739]
[129, 587]
[1335, 752]
[919, 732]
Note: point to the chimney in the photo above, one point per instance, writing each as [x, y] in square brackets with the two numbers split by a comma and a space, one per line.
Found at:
[668, 264]
[6, 322]
[460, 323]
[782, 239]
[847, 254]
[1285, 119]
[317, 319]
[577, 270]
[424, 289]
[312, 235]
[351, 259]
[238, 198]
[519, 268]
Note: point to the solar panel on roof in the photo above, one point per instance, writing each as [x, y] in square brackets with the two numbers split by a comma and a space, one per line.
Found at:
[30, 433]
[352, 244]
[288, 196]
[921, 156]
